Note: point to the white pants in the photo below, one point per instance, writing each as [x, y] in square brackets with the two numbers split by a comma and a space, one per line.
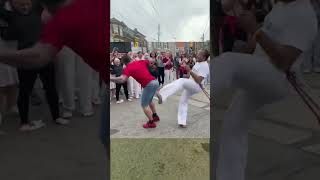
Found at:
[311, 61]
[84, 75]
[95, 84]
[134, 88]
[188, 87]
[72, 69]
[256, 82]
[169, 76]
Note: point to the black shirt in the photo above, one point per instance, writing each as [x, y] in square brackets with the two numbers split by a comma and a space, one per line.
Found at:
[117, 70]
[26, 29]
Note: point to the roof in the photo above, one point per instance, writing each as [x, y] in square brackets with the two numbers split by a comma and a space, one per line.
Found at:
[116, 21]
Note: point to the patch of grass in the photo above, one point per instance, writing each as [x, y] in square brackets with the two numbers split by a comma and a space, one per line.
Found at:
[159, 159]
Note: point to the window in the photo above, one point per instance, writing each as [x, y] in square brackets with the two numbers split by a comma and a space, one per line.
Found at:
[115, 28]
[121, 30]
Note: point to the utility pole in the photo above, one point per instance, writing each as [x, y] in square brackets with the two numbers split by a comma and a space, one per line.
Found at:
[203, 41]
[158, 35]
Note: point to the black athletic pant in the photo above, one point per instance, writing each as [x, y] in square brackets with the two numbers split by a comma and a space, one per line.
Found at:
[125, 87]
[161, 75]
[26, 82]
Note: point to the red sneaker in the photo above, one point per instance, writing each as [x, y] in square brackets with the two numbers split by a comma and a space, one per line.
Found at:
[149, 125]
[156, 118]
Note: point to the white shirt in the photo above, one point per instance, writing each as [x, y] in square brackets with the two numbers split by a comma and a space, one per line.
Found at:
[202, 69]
[292, 24]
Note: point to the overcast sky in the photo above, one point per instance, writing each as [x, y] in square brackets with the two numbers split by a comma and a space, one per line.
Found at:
[185, 20]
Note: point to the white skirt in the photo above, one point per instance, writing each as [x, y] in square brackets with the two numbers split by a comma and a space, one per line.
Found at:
[112, 84]
[8, 75]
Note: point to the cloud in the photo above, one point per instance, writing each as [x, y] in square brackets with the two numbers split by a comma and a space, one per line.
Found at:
[184, 20]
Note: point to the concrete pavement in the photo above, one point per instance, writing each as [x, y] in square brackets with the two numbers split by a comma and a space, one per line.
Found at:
[127, 119]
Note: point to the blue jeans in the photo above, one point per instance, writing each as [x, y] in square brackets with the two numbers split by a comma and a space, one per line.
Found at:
[148, 93]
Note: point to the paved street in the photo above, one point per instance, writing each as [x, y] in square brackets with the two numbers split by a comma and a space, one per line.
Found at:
[127, 119]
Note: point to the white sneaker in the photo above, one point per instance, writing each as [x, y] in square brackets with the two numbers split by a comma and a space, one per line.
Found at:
[88, 114]
[120, 101]
[34, 125]
[130, 99]
[67, 114]
[62, 121]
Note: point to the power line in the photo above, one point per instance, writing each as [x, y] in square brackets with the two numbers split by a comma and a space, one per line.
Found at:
[123, 17]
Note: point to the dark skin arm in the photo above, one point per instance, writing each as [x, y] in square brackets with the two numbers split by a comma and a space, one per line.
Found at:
[282, 56]
[198, 79]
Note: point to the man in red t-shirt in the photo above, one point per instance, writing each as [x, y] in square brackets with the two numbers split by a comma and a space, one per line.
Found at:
[78, 24]
[140, 71]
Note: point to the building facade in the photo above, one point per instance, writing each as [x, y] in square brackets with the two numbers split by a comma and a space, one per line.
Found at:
[120, 32]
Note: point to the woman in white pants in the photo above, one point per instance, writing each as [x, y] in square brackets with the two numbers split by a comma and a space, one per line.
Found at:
[72, 69]
[169, 74]
[258, 79]
[188, 86]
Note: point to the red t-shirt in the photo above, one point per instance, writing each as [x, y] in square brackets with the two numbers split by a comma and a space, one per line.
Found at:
[168, 66]
[139, 71]
[82, 26]
[183, 70]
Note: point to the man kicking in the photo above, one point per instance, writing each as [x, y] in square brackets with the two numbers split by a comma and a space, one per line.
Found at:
[189, 86]
[260, 78]
[141, 72]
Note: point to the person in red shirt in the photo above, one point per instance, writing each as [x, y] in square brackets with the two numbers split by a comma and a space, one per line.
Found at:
[140, 71]
[168, 67]
[80, 25]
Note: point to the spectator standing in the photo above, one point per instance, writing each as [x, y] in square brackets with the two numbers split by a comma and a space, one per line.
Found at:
[25, 26]
[117, 70]
[168, 67]
[160, 66]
